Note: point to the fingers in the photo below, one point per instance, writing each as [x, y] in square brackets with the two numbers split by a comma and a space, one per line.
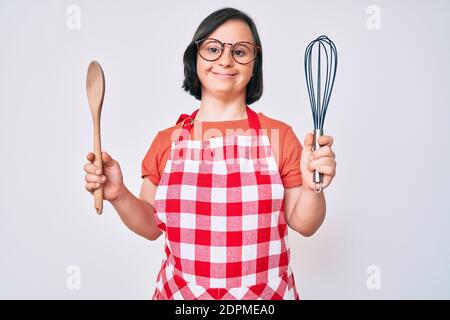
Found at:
[94, 182]
[322, 164]
[91, 187]
[91, 157]
[326, 140]
[107, 159]
[326, 170]
[323, 141]
[92, 178]
[309, 140]
[323, 152]
[92, 169]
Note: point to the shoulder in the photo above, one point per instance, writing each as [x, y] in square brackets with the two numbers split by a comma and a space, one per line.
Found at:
[161, 142]
[270, 124]
[167, 133]
[281, 135]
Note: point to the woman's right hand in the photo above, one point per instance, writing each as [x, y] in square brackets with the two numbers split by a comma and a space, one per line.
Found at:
[111, 178]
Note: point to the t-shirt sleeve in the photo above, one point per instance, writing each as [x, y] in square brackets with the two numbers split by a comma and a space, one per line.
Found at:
[150, 163]
[290, 160]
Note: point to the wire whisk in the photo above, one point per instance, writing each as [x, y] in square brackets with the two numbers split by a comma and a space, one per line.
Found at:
[325, 51]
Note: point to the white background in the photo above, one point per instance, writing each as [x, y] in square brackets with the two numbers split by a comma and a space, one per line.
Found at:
[389, 114]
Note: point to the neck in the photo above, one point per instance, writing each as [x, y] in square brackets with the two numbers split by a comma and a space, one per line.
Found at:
[221, 108]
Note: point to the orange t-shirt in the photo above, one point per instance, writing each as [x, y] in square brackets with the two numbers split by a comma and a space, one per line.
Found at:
[286, 147]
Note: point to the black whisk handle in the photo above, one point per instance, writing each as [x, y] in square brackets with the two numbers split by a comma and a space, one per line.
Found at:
[317, 176]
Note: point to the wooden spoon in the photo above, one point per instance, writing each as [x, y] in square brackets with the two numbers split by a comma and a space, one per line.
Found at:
[95, 88]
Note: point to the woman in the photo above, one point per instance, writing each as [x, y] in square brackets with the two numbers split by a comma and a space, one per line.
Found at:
[223, 183]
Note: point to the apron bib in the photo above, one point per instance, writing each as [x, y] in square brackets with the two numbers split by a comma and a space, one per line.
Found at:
[220, 205]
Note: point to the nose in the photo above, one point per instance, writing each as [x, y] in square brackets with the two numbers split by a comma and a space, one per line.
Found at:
[226, 59]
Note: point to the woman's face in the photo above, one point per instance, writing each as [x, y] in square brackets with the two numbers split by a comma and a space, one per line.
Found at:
[226, 76]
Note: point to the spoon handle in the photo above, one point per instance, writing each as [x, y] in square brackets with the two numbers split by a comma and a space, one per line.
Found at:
[98, 193]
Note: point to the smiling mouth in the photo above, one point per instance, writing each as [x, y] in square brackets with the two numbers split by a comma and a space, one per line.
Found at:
[224, 74]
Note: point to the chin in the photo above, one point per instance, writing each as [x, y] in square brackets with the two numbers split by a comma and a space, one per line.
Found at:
[222, 88]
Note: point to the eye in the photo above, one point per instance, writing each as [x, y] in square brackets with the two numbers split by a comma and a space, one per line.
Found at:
[242, 49]
[239, 53]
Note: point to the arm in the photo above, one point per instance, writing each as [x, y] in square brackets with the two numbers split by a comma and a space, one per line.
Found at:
[304, 210]
[137, 214]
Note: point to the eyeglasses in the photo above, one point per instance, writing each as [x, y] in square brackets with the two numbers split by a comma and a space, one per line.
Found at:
[243, 52]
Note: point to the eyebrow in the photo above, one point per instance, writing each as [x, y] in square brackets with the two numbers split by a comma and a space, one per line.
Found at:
[250, 41]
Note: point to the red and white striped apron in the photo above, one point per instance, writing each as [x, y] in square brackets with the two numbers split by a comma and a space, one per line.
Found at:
[220, 204]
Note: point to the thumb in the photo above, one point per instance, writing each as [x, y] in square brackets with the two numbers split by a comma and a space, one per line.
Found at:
[107, 159]
[309, 140]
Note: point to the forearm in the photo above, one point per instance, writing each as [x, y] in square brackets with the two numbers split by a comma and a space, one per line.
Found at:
[136, 214]
[309, 212]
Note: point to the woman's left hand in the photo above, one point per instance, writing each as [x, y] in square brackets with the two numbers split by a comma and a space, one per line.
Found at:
[322, 160]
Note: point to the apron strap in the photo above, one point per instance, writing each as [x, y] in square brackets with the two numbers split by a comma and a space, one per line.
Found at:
[253, 120]
[188, 120]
